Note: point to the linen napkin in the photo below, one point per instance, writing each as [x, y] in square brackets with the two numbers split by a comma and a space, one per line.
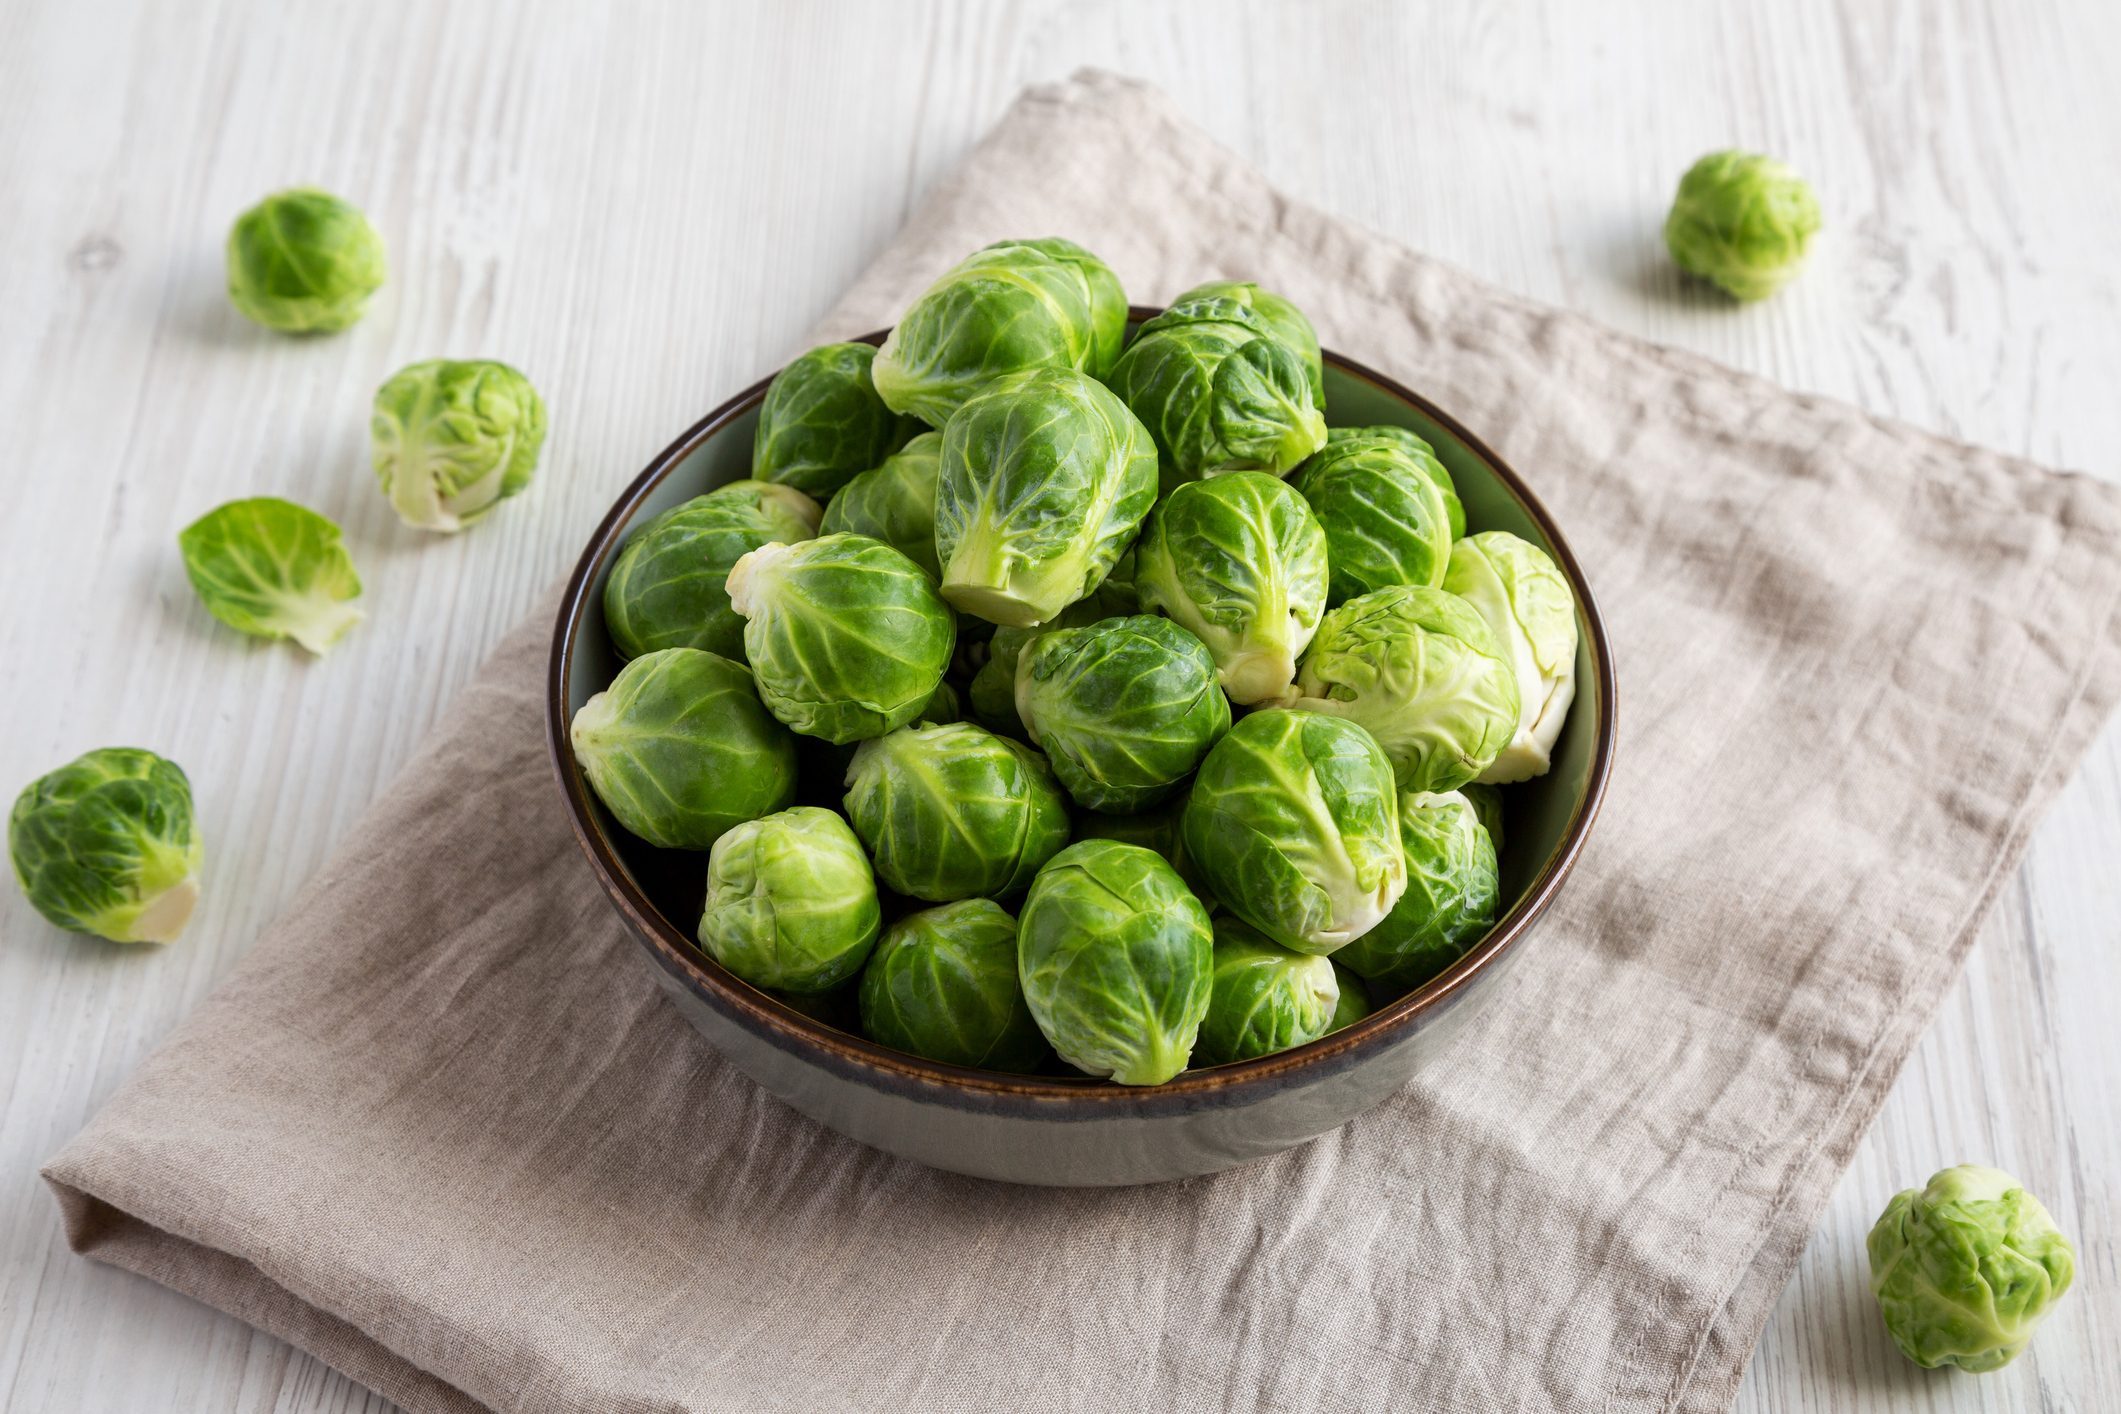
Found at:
[440, 1129]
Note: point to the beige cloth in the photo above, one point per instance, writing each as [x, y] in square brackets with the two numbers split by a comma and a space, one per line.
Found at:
[442, 1130]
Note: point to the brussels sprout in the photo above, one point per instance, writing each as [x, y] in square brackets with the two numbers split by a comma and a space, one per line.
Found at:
[1218, 391]
[1420, 669]
[1158, 828]
[1045, 478]
[993, 686]
[954, 811]
[668, 588]
[1966, 1268]
[942, 708]
[1241, 562]
[1264, 998]
[1354, 1002]
[273, 569]
[822, 422]
[1450, 900]
[1294, 825]
[680, 749]
[1487, 806]
[106, 845]
[1115, 957]
[847, 637]
[1742, 221]
[451, 439]
[1424, 457]
[943, 985]
[1283, 320]
[790, 901]
[895, 503]
[303, 262]
[1125, 708]
[1012, 307]
[1385, 521]
[1527, 604]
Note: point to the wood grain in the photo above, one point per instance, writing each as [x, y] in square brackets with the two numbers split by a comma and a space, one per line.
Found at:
[643, 206]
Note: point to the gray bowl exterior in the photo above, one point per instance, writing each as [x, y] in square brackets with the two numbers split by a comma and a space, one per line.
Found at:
[1072, 1131]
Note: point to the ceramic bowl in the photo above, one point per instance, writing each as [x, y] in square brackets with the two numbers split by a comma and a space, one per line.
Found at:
[1072, 1130]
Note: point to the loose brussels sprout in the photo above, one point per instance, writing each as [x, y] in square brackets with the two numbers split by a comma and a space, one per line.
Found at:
[1283, 320]
[790, 901]
[680, 749]
[1966, 1268]
[1487, 805]
[1293, 823]
[1450, 900]
[669, 586]
[993, 686]
[273, 569]
[1124, 708]
[1424, 457]
[303, 262]
[954, 811]
[1742, 221]
[1526, 602]
[1159, 828]
[1115, 957]
[1241, 562]
[1010, 308]
[943, 985]
[822, 422]
[895, 503]
[106, 845]
[847, 637]
[1219, 391]
[451, 439]
[1385, 521]
[1045, 479]
[942, 708]
[1420, 669]
[1354, 1002]
[1263, 998]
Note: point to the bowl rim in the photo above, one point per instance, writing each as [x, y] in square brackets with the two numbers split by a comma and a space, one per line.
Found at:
[782, 1025]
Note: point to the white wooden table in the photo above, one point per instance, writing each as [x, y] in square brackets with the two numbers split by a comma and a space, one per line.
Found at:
[645, 207]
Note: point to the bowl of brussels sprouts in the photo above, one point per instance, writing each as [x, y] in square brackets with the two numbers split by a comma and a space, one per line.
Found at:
[1079, 744]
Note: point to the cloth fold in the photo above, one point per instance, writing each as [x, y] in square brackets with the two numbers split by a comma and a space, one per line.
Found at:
[440, 1129]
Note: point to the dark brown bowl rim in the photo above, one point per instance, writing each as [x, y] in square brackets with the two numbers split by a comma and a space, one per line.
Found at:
[674, 951]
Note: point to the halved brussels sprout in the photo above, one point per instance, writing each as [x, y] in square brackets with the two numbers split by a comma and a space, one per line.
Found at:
[1424, 457]
[106, 845]
[1115, 957]
[1240, 561]
[304, 262]
[1354, 1002]
[1450, 900]
[954, 811]
[1263, 997]
[943, 985]
[846, 636]
[1219, 391]
[1487, 804]
[1283, 320]
[822, 422]
[790, 901]
[680, 749]
[1009, 308]
[1045, 479]
[668, 588]
[895, 503]
[1386, 523]
[273, 569]
[1420, 669]
[1124, 708]
[1742, 221]
[1294, 824]
[1966, 1268]
[1160, 828]
[450, 439]
[1527, 603]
